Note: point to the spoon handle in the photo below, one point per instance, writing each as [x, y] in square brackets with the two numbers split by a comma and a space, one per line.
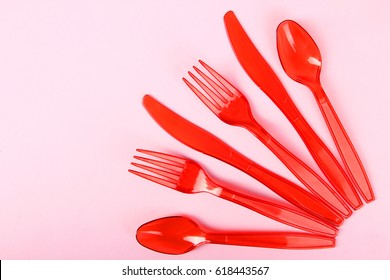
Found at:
[344, 145]
[304, 173]
[279, 240]
[279, 213]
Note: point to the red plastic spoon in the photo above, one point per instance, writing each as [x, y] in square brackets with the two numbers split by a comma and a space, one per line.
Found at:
[179, 235]
[301, 60]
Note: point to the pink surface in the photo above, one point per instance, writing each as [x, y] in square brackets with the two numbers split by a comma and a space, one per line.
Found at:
[72, 76]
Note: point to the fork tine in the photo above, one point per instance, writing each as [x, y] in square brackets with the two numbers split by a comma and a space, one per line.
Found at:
[167, 165]
[221, 79]
[212, 105]
[173, 176]
[214, 95]
[155, 179]
[178, 160]
[208, 93]
[221, 90]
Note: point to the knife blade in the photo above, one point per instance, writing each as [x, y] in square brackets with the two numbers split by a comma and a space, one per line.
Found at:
[207, 143]
[185, 131]
[254, 63]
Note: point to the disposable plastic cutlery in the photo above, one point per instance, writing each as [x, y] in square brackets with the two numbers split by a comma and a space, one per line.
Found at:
[264, 77]
[231, 106]
[187, 176]
[301, 60]
[205, 142]
[178, 235]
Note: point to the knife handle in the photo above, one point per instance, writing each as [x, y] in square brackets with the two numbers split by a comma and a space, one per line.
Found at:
[345, 147]
[279, 212]
[286, 189]
[328, 163]
[303, 172]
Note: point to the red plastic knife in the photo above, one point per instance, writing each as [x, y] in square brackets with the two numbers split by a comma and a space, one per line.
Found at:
[265, 78]
[205, 142]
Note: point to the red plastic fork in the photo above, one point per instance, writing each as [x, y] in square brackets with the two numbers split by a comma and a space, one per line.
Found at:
[231, 106]
[187, 176]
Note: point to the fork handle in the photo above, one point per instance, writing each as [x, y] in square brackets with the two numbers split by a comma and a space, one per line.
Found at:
[344, 145]
[279, 212]
[286, 189]
[279, 240]
[303, 172]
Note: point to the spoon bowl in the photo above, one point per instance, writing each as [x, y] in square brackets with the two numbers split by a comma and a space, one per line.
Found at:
[299, 54]
[170, 235]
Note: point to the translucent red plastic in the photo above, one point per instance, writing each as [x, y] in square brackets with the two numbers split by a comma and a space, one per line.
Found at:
[301, 60]
[205, 142]
[179, 235]
[264, 77]
[187, 176]
[231, 106]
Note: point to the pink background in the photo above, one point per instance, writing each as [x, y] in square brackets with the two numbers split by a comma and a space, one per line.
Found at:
[72, 76]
